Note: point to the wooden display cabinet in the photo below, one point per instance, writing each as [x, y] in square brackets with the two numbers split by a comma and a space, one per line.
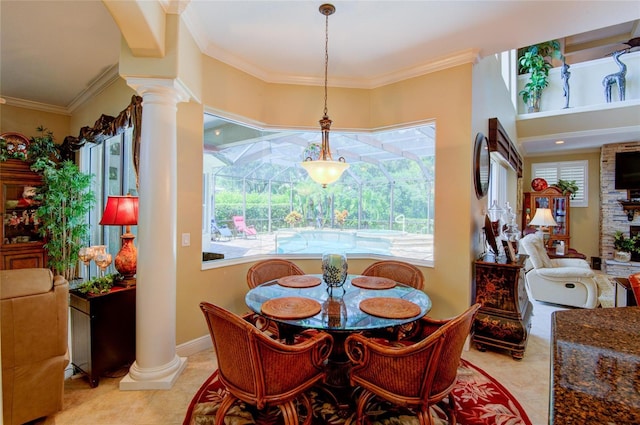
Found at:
[504, 320]
[558, 203]
[21, 245]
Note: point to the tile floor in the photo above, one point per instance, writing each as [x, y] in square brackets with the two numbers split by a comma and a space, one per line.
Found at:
[527, 380]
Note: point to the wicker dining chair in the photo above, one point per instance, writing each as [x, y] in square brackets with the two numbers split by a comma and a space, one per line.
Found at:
[396, 270]
[261, 371]
[417, 375]
[266, 270]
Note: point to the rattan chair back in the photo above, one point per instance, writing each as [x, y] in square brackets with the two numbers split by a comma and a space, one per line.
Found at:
[415, 374]
[397, 270]
[262, 371]
[266, 270]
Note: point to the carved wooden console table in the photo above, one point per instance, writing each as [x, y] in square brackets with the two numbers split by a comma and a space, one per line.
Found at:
[503, 321]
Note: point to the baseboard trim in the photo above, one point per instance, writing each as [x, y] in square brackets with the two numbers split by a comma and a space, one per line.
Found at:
[194, 346]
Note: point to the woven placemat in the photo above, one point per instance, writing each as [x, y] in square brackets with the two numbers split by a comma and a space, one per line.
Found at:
[291, 308]
[372, 282]
[390, 308]
[299, 281]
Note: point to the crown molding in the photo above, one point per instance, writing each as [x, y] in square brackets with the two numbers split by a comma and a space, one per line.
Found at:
[97, 86]
[459, 58]
[103, 81]
[199, 34]
[174, 7]
[37, 106]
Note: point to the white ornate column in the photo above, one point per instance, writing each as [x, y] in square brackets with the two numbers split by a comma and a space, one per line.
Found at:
[157, 365]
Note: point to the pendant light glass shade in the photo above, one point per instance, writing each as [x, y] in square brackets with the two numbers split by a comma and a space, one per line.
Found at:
[325, 170]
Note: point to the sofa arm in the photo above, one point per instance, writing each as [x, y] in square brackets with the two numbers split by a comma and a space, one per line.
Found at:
[570, 262]
[25, 282]
[565, 272]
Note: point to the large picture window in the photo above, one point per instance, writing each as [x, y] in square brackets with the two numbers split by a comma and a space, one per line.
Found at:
[111, 164]
[382, 205]
[577, 171]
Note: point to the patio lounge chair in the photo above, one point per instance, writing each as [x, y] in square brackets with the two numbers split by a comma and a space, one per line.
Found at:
[220, 233]
[242, 228]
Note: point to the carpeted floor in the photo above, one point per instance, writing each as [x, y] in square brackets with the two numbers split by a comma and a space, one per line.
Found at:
[480, 400]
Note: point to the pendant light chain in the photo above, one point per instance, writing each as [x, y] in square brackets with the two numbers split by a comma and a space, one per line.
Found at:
[324, 169]
[326, 60]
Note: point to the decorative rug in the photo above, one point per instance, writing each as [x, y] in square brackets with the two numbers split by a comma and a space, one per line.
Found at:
[606, 290]
[480, 400]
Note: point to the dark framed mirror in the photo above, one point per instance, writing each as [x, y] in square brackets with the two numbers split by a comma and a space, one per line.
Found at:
[481, 165]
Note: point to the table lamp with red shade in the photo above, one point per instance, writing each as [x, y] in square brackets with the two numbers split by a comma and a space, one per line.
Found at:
[123, 211]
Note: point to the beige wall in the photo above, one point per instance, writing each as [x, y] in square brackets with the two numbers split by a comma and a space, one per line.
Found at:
[491, 99]
[26, 121]
[442, 96]
[585, 221]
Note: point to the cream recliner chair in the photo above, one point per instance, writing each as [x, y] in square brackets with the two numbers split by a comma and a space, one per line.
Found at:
[565, 281]
[34, 309]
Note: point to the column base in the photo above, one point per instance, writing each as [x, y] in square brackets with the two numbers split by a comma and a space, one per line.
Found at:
[155, 382]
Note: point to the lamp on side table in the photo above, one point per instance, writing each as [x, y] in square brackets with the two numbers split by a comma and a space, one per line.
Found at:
[543, 219]
[123, 211]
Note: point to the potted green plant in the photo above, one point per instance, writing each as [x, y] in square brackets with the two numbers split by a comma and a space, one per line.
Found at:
[65, 200]
[535, 60]
[567, 187]
[625, 246]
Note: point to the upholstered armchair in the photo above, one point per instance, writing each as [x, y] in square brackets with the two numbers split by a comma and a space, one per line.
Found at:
[261, 371]
[565, 281]
[416, 373]
[34, 312]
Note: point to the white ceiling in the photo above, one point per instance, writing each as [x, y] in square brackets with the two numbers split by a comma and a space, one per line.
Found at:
[53, 51]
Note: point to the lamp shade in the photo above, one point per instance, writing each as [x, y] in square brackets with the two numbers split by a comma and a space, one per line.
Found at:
[120, 211]
[123, 211]
[324, 171]
[543, 217]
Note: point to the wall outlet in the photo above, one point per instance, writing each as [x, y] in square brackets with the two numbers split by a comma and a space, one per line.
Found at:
[186, 239]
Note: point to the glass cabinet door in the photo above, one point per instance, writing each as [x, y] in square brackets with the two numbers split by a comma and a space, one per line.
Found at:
[559, 212]
[20, 223]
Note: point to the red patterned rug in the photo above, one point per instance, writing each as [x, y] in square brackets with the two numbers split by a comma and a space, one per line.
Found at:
[480, 400]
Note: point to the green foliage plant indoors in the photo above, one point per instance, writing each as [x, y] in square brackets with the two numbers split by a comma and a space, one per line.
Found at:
[624, 244]
[99, 285]
[535, 60]
[42, 150]
[567, 186]
[66, 199]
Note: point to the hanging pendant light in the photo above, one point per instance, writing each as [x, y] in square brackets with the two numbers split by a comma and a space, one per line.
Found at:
[325, 170]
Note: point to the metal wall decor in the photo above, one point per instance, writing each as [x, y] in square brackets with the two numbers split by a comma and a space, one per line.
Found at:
[618, 78]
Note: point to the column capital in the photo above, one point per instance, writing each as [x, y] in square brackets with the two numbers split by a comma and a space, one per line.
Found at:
[162, 87]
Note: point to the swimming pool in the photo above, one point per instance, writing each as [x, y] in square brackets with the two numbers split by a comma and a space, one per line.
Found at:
[348, 241]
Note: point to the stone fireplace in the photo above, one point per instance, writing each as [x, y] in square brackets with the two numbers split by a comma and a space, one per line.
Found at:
[634, 231]
[612, 216]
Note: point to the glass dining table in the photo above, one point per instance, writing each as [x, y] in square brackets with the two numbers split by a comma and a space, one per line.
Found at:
[342, 311]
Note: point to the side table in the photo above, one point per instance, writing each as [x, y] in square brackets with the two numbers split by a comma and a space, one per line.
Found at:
[103, 331]
[623, 294]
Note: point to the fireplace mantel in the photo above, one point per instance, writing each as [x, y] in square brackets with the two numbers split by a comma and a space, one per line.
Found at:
[630, 207]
